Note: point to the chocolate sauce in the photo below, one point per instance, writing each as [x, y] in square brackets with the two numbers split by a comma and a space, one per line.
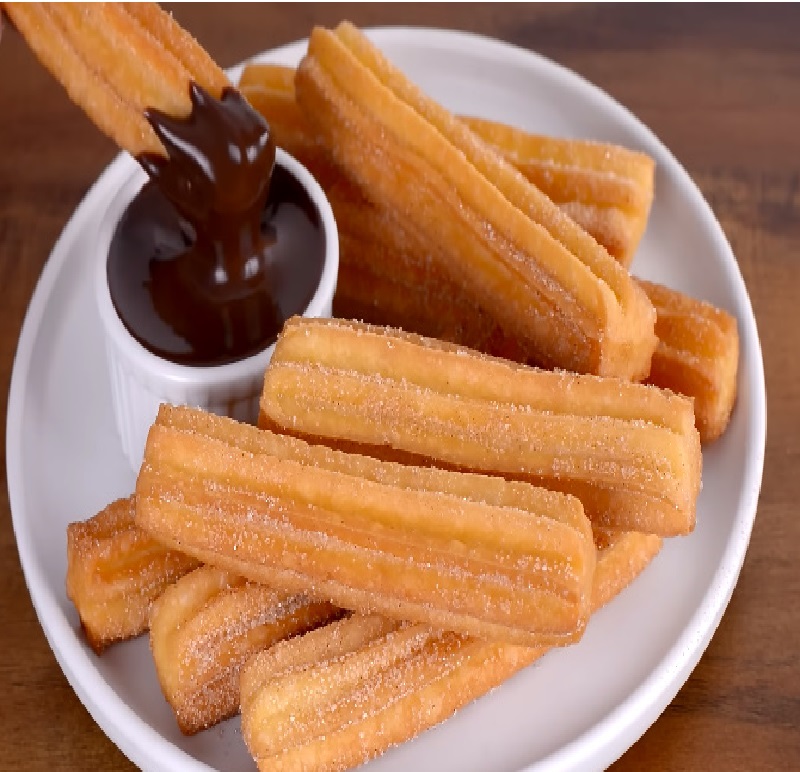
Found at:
[221, 246]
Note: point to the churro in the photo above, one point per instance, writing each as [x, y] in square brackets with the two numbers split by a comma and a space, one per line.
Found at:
[464, 552]
[630, 452]
[605, 188]
[541, 276]
[386, 278]
[345, 693]
[206, 626]
[117, 60]
[697, 355]
[114, 573]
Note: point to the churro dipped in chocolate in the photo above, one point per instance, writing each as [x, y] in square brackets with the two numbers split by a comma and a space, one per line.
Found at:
[630, 452]
[541, 276]
[469, 553]
[114, 573]
[206, 626]
[118, 60]
[210, 257]
[345, 693]
[606, 189]
[697, 355]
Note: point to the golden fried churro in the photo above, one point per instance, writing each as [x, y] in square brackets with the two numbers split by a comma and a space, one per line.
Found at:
[630, 452]
[385, 277]
[697, 355]
[206, 626]
[115, 571]
[606, 189]
[347, 692]
[541, 276]
[621, 557]
[456, 551]
[116, 60]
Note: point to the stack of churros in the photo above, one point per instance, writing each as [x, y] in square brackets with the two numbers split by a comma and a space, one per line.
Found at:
[368, 683]
[512, 251]
[388, 276]
[421, 513]
[606, 189]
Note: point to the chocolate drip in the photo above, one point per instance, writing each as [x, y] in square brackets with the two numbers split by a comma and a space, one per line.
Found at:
[221, 246]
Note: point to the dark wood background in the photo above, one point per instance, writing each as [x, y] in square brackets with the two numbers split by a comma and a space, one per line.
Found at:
[721, 87]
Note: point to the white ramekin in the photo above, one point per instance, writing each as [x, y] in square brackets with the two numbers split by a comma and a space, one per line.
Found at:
[141, 381]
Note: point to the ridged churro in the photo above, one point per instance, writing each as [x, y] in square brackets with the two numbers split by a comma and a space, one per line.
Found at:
[114, 573]
[117, 60]
[385, 277]
[345, 693]
[630, 452]
[206, 626]
[606, 189]
[542, 277]
[469, 553]
[697, 355]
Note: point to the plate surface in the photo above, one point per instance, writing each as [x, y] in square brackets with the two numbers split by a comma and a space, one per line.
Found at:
[578, 708]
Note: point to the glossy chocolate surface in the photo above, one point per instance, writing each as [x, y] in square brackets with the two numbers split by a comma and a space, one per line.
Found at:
[221, 246]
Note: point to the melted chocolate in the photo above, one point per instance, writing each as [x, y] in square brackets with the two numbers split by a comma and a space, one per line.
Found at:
[221, 246]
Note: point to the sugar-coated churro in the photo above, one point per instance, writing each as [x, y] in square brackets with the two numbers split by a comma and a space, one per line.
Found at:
[606, 189]
[540, 275]
[456, 551]
[630, 452]
[114, 573]
[206, 626]
[697, 355]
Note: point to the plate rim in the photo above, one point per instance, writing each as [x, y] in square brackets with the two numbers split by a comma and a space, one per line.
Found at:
[642, 706]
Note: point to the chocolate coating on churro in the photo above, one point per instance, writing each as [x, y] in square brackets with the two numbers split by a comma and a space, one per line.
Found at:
[221, 246]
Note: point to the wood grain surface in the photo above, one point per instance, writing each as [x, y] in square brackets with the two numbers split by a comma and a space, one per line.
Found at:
[722, 89]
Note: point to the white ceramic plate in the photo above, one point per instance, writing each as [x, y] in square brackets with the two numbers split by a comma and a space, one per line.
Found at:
[579, 708]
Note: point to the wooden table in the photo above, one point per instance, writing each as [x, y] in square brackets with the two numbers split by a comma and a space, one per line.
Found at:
[722, 90]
